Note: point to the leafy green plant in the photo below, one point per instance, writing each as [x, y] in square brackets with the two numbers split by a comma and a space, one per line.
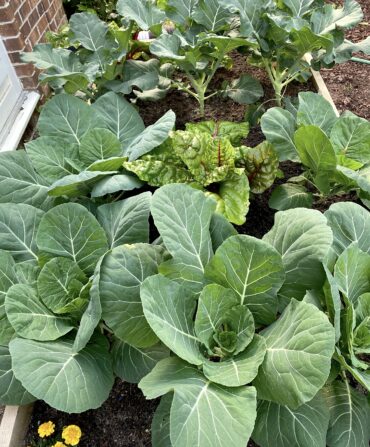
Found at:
[105, 9]
[335, 151]
[80, 152]
[196, 43]
[208, 156]
[285, 31]
[206, 305]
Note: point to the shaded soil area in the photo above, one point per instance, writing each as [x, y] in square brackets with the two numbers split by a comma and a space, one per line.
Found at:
[125, 418]
[349, 83]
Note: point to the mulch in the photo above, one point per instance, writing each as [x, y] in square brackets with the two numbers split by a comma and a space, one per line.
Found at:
[125, 418]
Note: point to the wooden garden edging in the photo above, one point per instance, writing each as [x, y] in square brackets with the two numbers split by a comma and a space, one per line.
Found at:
[14, 424]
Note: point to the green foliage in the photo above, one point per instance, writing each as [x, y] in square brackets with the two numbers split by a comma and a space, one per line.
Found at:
[206, 307]
[205, 155]
[334, 151]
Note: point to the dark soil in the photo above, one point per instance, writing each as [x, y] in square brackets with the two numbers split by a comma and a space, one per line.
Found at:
[349, 83]
[125, 418]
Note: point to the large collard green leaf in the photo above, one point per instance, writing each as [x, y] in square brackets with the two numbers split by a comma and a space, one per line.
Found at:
[316, 152]
[302, 246]
[71, 231]
[167, 46]
[253, 269]
[45, 368]
[202, 413]
[169, 309]
[77, 185]
[99, 144]
[352, 272]
[209, 14]
[144, 13]
[351, 137]
[182, 216]
[279, 426]
[19, 183]
[67, 117]
[316, 111]
[31, 318]
[152, 137]
[298, 359]
[116, 183]
[349, 416]
[89, 31]
[137, 73]
[333, 302]
[132, 364]
[290, 195]
[8, 278]
[119, 116]
[59, 283]
[27, 272]
[350, 223]
[245, 90]
[161, 422]
[51, 157]
[279, 127]
[92, 315]
[329, 18]
[11, 390]
[126, 221]
[181, 10]
[299, 8]
[122, 272]
[240, 369]
[18, 227]
[220, 229]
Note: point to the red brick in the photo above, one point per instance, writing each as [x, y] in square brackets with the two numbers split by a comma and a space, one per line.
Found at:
[14, 43]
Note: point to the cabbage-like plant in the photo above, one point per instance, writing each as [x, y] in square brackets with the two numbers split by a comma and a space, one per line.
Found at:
[80, 152]
[209, 156]
[285, 31]
[197, 42]
[335, 151]
[232, 310]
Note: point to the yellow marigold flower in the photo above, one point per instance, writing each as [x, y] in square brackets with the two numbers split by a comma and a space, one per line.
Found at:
[46, 429]
[71, 434]
[59, 444]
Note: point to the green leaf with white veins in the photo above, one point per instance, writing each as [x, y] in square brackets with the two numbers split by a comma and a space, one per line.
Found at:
[132, 364]
[119, 116]
[126, 221]
[211, 15]
[60, 282]
[31, 318]
[350, 223]
[160, 427]
[45, 368]
[278, 126]
[352, 272]
[11, 390]
[152, 137]
[202, 412]
[71, 231]
[67, 117]
[145, 13]
[245, 90]
[329, 18]
[305, 427]
[169, 309]
[316, 111]
[351, 136]
[302, 246]
[89, 31]
[349, 416]
[253, 269]
[123, 270]
[50, 157]
[299, 7]
[290, 195]
[300, 346]
[116, 183]
[167, 46]
[181, 11]
[18, 226]
[182, 216]
[240, 369]
[99, 144]
[19, 183]
[8, 278]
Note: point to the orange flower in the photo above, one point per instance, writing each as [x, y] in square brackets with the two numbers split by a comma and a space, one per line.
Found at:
[46, 429]
[71, 434]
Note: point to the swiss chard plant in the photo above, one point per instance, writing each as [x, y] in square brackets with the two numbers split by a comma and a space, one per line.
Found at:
[232, 309]
[209, 156]
[285, 32]
[80, 152]
[194, 37]
[335, 151]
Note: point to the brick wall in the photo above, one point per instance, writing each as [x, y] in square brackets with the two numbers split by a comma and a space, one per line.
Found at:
[23, 24]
